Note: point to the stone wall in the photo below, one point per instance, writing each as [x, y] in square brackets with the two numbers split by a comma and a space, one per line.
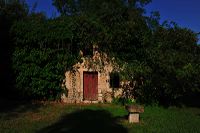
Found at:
[74, 79]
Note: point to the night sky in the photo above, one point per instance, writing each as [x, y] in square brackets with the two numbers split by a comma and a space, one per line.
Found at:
[184, 12]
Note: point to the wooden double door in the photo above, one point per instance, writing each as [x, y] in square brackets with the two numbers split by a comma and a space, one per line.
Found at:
[90, 86]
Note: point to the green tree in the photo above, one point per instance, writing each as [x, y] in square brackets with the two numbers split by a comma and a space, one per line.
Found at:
[174, 61]
[43, 53]
[161, 60]
[10, 11]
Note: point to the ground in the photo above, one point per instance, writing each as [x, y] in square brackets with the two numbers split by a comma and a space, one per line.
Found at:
[24, 117]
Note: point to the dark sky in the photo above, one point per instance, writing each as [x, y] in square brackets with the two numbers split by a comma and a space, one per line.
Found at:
[184, 12]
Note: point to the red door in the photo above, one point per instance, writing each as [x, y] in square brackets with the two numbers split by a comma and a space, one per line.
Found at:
[90, 86]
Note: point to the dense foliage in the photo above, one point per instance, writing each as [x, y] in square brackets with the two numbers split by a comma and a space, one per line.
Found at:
[160, 60]
[10, 12]
[43, 52]
[40, 72]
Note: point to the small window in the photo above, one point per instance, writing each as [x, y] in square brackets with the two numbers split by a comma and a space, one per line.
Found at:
[114, 80]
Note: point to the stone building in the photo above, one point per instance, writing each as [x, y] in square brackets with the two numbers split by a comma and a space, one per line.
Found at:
[90, 80]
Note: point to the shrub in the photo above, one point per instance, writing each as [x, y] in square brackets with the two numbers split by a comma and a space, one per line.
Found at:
[39, 73]
[123, 101]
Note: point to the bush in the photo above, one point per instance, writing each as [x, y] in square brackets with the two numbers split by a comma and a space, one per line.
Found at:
[123, 101]
[39, 73]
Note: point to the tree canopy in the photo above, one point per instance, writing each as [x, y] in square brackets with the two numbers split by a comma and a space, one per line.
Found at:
[163, 59]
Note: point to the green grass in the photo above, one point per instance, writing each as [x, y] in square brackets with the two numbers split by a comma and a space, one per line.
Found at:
[171, 120]
[105, 118]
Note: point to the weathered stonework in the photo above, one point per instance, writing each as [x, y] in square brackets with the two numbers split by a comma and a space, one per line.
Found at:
[134, 111]
[74, 79]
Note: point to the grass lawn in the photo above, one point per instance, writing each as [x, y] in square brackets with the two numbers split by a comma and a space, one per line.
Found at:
[96, 118]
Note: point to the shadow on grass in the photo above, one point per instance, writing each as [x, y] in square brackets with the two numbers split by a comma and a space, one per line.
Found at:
[86, 121]
[10, 109]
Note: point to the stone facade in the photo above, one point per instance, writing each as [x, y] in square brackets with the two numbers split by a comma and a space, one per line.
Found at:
[99, 63]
